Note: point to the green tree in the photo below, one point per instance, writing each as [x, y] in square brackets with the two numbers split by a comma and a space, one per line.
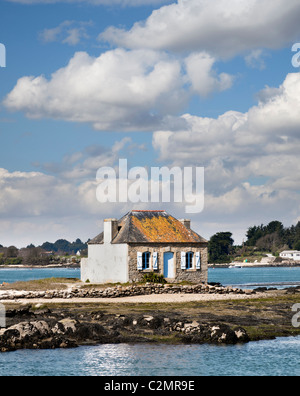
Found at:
[220, 247]
[297, 245]
[254, 234]
[12, 252]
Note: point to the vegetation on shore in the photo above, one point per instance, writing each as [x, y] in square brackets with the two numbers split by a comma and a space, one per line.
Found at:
[261, 318]
[272, 238]
[260, 240]
[60, 252]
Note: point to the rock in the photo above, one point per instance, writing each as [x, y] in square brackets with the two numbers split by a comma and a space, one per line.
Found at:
[223, 334]
[241, 335]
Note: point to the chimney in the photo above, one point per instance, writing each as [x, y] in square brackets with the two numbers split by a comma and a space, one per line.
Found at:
[110, 230]
[186, 223]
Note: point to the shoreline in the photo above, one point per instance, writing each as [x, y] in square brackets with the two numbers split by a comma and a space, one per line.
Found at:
[236, 264]
[173, 319]
[21, 266]
[140, 299]
[255, 265]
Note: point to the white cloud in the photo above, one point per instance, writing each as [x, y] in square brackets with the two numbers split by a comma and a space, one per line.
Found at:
[255, 59]
[202, 77]
[68, 32]
[251, 159]
[119, 90]
[219, 27]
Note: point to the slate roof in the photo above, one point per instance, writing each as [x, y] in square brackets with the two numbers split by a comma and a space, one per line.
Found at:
[148, 226]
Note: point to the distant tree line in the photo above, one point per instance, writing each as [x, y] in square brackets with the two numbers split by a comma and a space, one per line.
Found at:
[41, 255]
[272, 238]
[64, 246]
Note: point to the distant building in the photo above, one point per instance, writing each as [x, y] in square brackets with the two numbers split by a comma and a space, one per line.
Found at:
[290, 255]
[146, 241]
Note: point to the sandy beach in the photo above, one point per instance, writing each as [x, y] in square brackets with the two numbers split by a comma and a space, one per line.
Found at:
[145, 299]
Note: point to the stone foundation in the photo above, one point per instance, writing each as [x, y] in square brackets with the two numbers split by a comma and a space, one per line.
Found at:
[123, 291]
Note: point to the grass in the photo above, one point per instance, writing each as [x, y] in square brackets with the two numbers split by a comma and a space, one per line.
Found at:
[264, 318]
[41, 284]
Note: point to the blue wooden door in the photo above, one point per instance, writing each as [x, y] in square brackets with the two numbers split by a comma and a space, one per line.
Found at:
[169, 265]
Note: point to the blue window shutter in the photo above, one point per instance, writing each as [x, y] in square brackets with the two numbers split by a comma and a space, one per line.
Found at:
[198, 260]
[183, 260]
[139, 261]
[155, 261]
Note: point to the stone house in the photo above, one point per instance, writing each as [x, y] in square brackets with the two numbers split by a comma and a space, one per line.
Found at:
[146, 241]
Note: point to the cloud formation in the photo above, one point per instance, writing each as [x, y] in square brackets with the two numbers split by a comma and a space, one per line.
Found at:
[68, 32]
[218, 27]
[120, 90]
[250, 159]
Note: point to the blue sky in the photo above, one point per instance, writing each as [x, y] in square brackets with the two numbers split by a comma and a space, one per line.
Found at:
[161, 83]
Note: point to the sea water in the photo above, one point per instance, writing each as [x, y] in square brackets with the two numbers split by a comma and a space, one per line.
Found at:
[248, 278]
[10, 275]
[251, 278]
[278, 357]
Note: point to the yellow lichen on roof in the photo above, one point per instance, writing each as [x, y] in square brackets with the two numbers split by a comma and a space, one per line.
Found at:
[163, 229]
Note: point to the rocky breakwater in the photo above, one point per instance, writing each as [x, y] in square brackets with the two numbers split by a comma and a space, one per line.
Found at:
[33, 328]
[122, 291]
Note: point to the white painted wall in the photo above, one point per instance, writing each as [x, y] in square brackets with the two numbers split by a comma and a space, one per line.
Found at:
[106, 263]
[293, 255]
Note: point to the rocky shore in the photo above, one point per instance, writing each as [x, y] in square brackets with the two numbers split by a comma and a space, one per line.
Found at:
[122, 291]
[33, 328]
[81, 315]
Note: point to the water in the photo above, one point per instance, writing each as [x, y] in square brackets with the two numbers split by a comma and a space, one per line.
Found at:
[251, 278]
[10, 275]
[247, 278]
[278, 357]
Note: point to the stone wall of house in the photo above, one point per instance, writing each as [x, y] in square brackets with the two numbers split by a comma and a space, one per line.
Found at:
[191, 275]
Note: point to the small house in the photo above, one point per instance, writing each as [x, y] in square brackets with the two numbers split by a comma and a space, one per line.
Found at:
[146, 241]
[290, 255]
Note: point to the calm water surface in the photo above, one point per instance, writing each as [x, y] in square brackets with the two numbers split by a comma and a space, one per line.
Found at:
[278, 357]
[250, 278]
[241, 277]
[11, 275]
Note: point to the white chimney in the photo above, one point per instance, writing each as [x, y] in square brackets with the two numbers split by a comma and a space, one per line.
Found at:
[110, 230]
[186, 223]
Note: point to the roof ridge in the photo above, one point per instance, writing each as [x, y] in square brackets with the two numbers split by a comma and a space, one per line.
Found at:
[160, 211]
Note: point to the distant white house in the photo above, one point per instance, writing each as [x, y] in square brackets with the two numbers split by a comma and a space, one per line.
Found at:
[290, 255]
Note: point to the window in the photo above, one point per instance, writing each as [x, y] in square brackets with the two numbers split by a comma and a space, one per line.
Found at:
[189, 260]
[146, 260]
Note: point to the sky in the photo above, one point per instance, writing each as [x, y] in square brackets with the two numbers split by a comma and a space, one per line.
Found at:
[189, 83]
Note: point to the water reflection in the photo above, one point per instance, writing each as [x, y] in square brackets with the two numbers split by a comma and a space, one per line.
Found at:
[271, 358]
[126, 360]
